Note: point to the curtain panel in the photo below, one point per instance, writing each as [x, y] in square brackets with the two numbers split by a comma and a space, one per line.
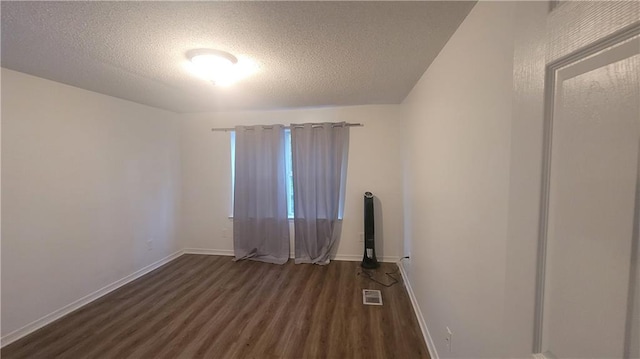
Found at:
[260, 223]
[319, 155]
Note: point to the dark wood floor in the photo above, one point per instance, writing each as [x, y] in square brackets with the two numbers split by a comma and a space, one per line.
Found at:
[211, 307]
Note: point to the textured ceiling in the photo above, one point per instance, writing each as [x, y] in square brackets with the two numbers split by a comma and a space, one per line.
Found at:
[308, 53]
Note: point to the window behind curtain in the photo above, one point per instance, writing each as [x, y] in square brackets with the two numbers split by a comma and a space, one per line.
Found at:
[288, 166]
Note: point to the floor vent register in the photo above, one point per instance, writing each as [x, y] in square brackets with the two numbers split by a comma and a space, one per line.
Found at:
[371, 297]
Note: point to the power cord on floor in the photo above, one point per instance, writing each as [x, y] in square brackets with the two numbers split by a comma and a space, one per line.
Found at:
[395, 280]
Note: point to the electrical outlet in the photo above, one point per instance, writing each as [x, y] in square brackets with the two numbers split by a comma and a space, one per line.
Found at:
[225, 233]
[361, 237]
[149, 244]
[449, 339]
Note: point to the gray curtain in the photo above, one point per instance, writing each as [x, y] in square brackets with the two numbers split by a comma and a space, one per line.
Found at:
[260, 224]
[319, 154]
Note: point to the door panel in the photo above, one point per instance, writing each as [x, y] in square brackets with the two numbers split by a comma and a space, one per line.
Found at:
[592, 186]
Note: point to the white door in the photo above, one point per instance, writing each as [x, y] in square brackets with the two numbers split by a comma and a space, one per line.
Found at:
[588, 293]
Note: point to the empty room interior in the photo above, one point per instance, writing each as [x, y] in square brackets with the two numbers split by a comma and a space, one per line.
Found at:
[369, 179]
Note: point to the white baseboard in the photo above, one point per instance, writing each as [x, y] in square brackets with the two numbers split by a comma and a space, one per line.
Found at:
[358, 258]
[49, 318]
[339, 257]
[423, 325]
[211, 252]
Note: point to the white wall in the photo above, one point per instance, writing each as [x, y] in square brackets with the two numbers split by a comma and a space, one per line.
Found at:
[87, 179]
[374, 165]
[457, 139]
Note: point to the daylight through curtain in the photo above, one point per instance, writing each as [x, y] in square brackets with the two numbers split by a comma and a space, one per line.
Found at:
[319, 154]
[260, 223]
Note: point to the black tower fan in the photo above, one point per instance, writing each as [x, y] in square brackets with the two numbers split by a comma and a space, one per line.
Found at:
[369, 260]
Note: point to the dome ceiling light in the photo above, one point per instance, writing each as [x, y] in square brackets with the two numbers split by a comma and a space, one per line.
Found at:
[219, 67]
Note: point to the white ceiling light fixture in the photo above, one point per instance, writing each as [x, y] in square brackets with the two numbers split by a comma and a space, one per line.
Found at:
[219, 67]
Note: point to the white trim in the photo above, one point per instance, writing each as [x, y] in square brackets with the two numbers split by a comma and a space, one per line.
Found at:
[338, 257]
[433, 353]
[210, 252]
[57, 314]
[358, 258]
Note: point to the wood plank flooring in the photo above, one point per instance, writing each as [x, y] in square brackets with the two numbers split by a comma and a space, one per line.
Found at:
[201, 306]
